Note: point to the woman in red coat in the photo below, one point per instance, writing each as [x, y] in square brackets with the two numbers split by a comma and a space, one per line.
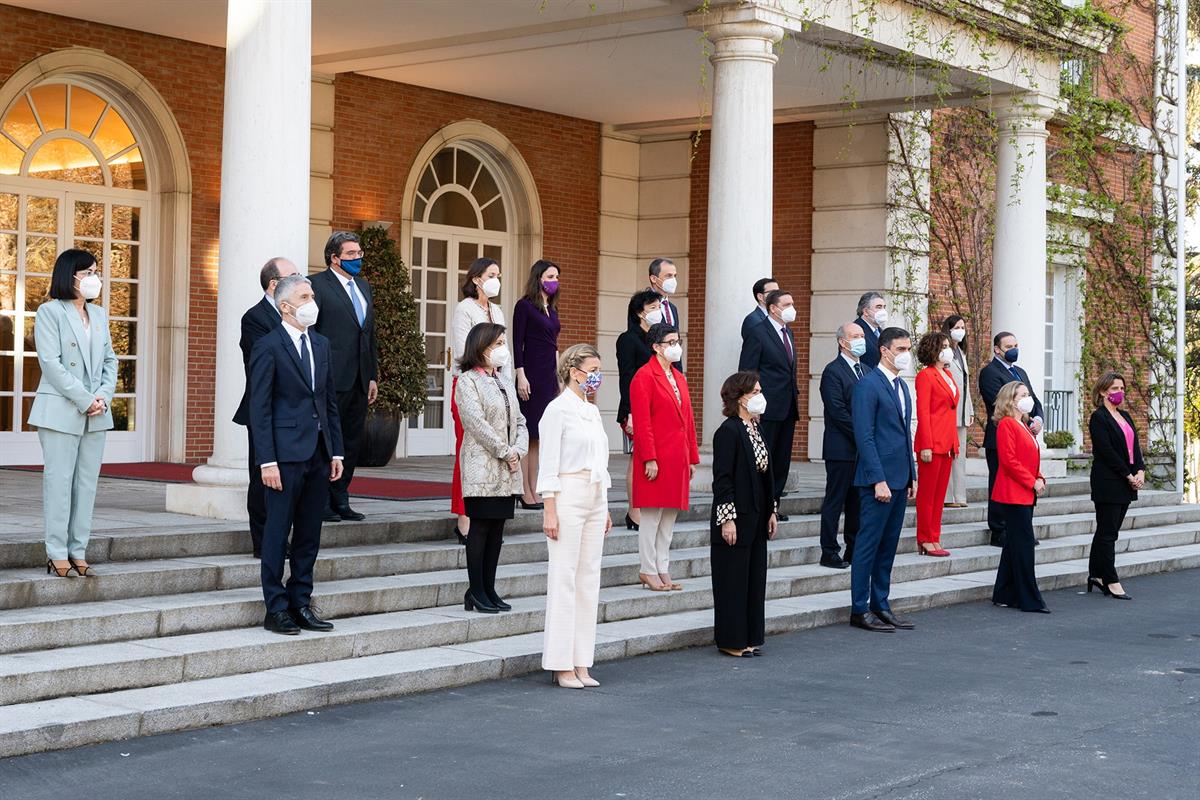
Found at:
[1019, 483]
[936, 442]
[665, 454]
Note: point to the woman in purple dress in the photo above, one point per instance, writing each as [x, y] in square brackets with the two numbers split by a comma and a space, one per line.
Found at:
[535, 356]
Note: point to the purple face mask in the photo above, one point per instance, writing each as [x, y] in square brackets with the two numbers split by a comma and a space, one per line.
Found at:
[1117, 397]
[550, 287]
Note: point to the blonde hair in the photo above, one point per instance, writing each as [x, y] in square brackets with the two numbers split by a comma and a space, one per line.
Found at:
[575, 355]
[1006, 401]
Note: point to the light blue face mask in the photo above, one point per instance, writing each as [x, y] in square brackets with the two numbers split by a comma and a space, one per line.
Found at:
[858, 347]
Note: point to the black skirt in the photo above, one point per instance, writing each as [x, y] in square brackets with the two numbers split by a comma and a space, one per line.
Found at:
[490, 507]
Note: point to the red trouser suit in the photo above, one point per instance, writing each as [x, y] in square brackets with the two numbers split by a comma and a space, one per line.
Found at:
[937, 404]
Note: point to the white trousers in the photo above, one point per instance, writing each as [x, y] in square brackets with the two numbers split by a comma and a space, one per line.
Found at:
[573, 574]
[654, 539]
[958, 471]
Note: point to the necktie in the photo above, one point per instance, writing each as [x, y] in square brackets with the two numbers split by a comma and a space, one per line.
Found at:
[306, 361]
[1013, 371]
[787, 343]
[358, 309]
[667, 318]
[900, 398]
[858, 373]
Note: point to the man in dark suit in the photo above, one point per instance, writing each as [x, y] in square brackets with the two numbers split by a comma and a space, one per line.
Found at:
[348, 320]
[762, 287]
[872, 318]
[770, 350]
[1000, 370]
[298, 445]
[886, 477]
[664, 279]
[838, 450]
[257, 322]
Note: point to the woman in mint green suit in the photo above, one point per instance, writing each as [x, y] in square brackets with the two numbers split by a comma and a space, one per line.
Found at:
[71, 410]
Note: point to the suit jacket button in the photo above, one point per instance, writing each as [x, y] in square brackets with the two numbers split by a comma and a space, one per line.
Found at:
[72, 363]
[72, 344]
[314, 416]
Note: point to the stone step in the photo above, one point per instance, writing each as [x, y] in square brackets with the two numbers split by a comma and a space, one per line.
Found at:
[126, 580]
[86, 669]
[73, 721]
[226, 538]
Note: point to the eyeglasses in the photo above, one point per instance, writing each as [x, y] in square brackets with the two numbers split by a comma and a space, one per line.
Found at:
[352, 255]
[87, 272]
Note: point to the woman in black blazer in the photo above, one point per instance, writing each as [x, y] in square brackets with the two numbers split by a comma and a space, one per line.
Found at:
[743, 519]
[1118, 471]
[633, 351]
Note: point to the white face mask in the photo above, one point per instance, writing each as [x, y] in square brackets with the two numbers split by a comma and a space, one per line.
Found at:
[498, 358]
[673, 353]
[947, 355]
[1025, 404]
[670, 285]
[881, 317]
[958, 334]
[89, 287]
[306, 314]
[903, 362]
[757, 404]
[654, 317]
[788, 315]
[491, 287]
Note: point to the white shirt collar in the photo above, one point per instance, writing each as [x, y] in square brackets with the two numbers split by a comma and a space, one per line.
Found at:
[294, 332]
[848, 360]
[271, 300]
[779, 326]
[891, 376]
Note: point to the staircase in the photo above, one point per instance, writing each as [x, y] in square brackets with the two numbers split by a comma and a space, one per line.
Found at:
[168, 636]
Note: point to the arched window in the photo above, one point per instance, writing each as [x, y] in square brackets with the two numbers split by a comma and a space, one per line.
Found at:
[458, 189]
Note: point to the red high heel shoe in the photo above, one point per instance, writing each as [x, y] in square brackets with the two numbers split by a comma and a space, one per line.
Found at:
[936, 552]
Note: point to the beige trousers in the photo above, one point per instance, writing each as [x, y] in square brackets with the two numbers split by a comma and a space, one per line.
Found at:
[654, 539]
[573, 574]
[958, 471]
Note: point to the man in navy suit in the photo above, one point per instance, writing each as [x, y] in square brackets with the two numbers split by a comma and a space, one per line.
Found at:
[838, 450]
[872, 318]
[298, 446]
[664, 279]
[770, 350]
[762, 287]
[257, 322]
[1000, 370]
[886, 477]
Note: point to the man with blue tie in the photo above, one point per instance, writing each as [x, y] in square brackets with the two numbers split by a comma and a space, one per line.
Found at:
[872, 318]
[762, 287]
[886, 477]
[298, 446]
[1000, 370]
[770, 350]
[838, 450]
[348, 321]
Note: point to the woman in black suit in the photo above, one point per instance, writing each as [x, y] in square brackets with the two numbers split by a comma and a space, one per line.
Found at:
[1118, 471]
[743, 519]
[633, 351]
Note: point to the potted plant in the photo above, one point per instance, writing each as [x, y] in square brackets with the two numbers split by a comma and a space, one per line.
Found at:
[401, 348]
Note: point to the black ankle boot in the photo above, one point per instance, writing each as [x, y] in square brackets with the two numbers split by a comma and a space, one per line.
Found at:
[472, 602]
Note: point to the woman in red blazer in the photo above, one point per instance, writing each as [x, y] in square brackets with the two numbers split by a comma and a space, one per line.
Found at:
[665, 454]
[936, 442]
[1019, 483]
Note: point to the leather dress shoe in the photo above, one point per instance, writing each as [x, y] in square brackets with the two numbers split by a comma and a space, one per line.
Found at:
[896, 622]
[869, 622]
[997, 540]
[348, 514]
[331, 516]
[307, 619]
[280, 622]
[835, 563]
[781, 517]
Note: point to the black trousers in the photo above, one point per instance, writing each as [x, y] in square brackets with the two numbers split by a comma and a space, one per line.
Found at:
[298, 509]
[352, 410]
[256, 500]
[1016, 584]
[995, 518]
[777, 436]
[483, 555]
[840, 497]
[1102, 562]
[739, 581]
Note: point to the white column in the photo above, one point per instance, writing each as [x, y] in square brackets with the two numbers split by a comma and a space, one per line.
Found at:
[739, 192]
[1019, 249]
[264, 212]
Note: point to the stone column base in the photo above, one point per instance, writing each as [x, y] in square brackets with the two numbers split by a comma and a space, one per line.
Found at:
[216, 493]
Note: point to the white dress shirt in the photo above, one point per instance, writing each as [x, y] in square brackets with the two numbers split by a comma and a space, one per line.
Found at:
[854, 365]
[295, 334]
[571, 439]
[891, 376]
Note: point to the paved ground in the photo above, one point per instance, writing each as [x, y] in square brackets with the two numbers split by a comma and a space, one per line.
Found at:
[1099, 700]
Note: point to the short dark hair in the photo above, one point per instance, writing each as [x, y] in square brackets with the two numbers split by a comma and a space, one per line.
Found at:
[1000, 336]
[760, 286]
[1102, 386]
[477, 268]
[658, 333]
[772, 298]
[948, 325]
[736, 385]
[269, 272]
[333, 247]
[481, 337]
[866, 299]
[929, 349]
[533, 286]
[656, 265]
[889, 335]
[638, 303]
[62, 282]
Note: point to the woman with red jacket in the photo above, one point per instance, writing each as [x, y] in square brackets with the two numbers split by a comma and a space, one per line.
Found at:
[936, 442]
[665, 454]
[1019, 483]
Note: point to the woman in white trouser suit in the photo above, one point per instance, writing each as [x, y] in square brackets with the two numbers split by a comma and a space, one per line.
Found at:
[573, 481]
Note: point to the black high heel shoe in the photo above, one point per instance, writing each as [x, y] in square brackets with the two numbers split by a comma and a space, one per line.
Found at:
[530, 506]
[473, 603]
[498, 602]
[1099, 584]
[82, 570]
[62, 572]
[631, 525]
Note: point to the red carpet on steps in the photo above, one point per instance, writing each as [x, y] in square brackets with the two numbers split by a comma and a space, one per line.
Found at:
[381, 488]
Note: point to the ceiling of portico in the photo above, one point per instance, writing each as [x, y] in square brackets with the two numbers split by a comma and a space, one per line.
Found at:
[631, 63]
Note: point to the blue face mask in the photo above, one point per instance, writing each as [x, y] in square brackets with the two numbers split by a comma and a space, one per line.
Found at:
[1011, 355]
[352, 267]
[858, 347]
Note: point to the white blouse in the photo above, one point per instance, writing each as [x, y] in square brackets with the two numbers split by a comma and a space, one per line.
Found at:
[468, 314]
[571, 439]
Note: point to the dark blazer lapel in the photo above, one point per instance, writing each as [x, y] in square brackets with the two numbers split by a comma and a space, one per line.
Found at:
[319, 364]
[339, 291]
[365, 292]
[890, 388]
[747, 445]
[290, 349]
